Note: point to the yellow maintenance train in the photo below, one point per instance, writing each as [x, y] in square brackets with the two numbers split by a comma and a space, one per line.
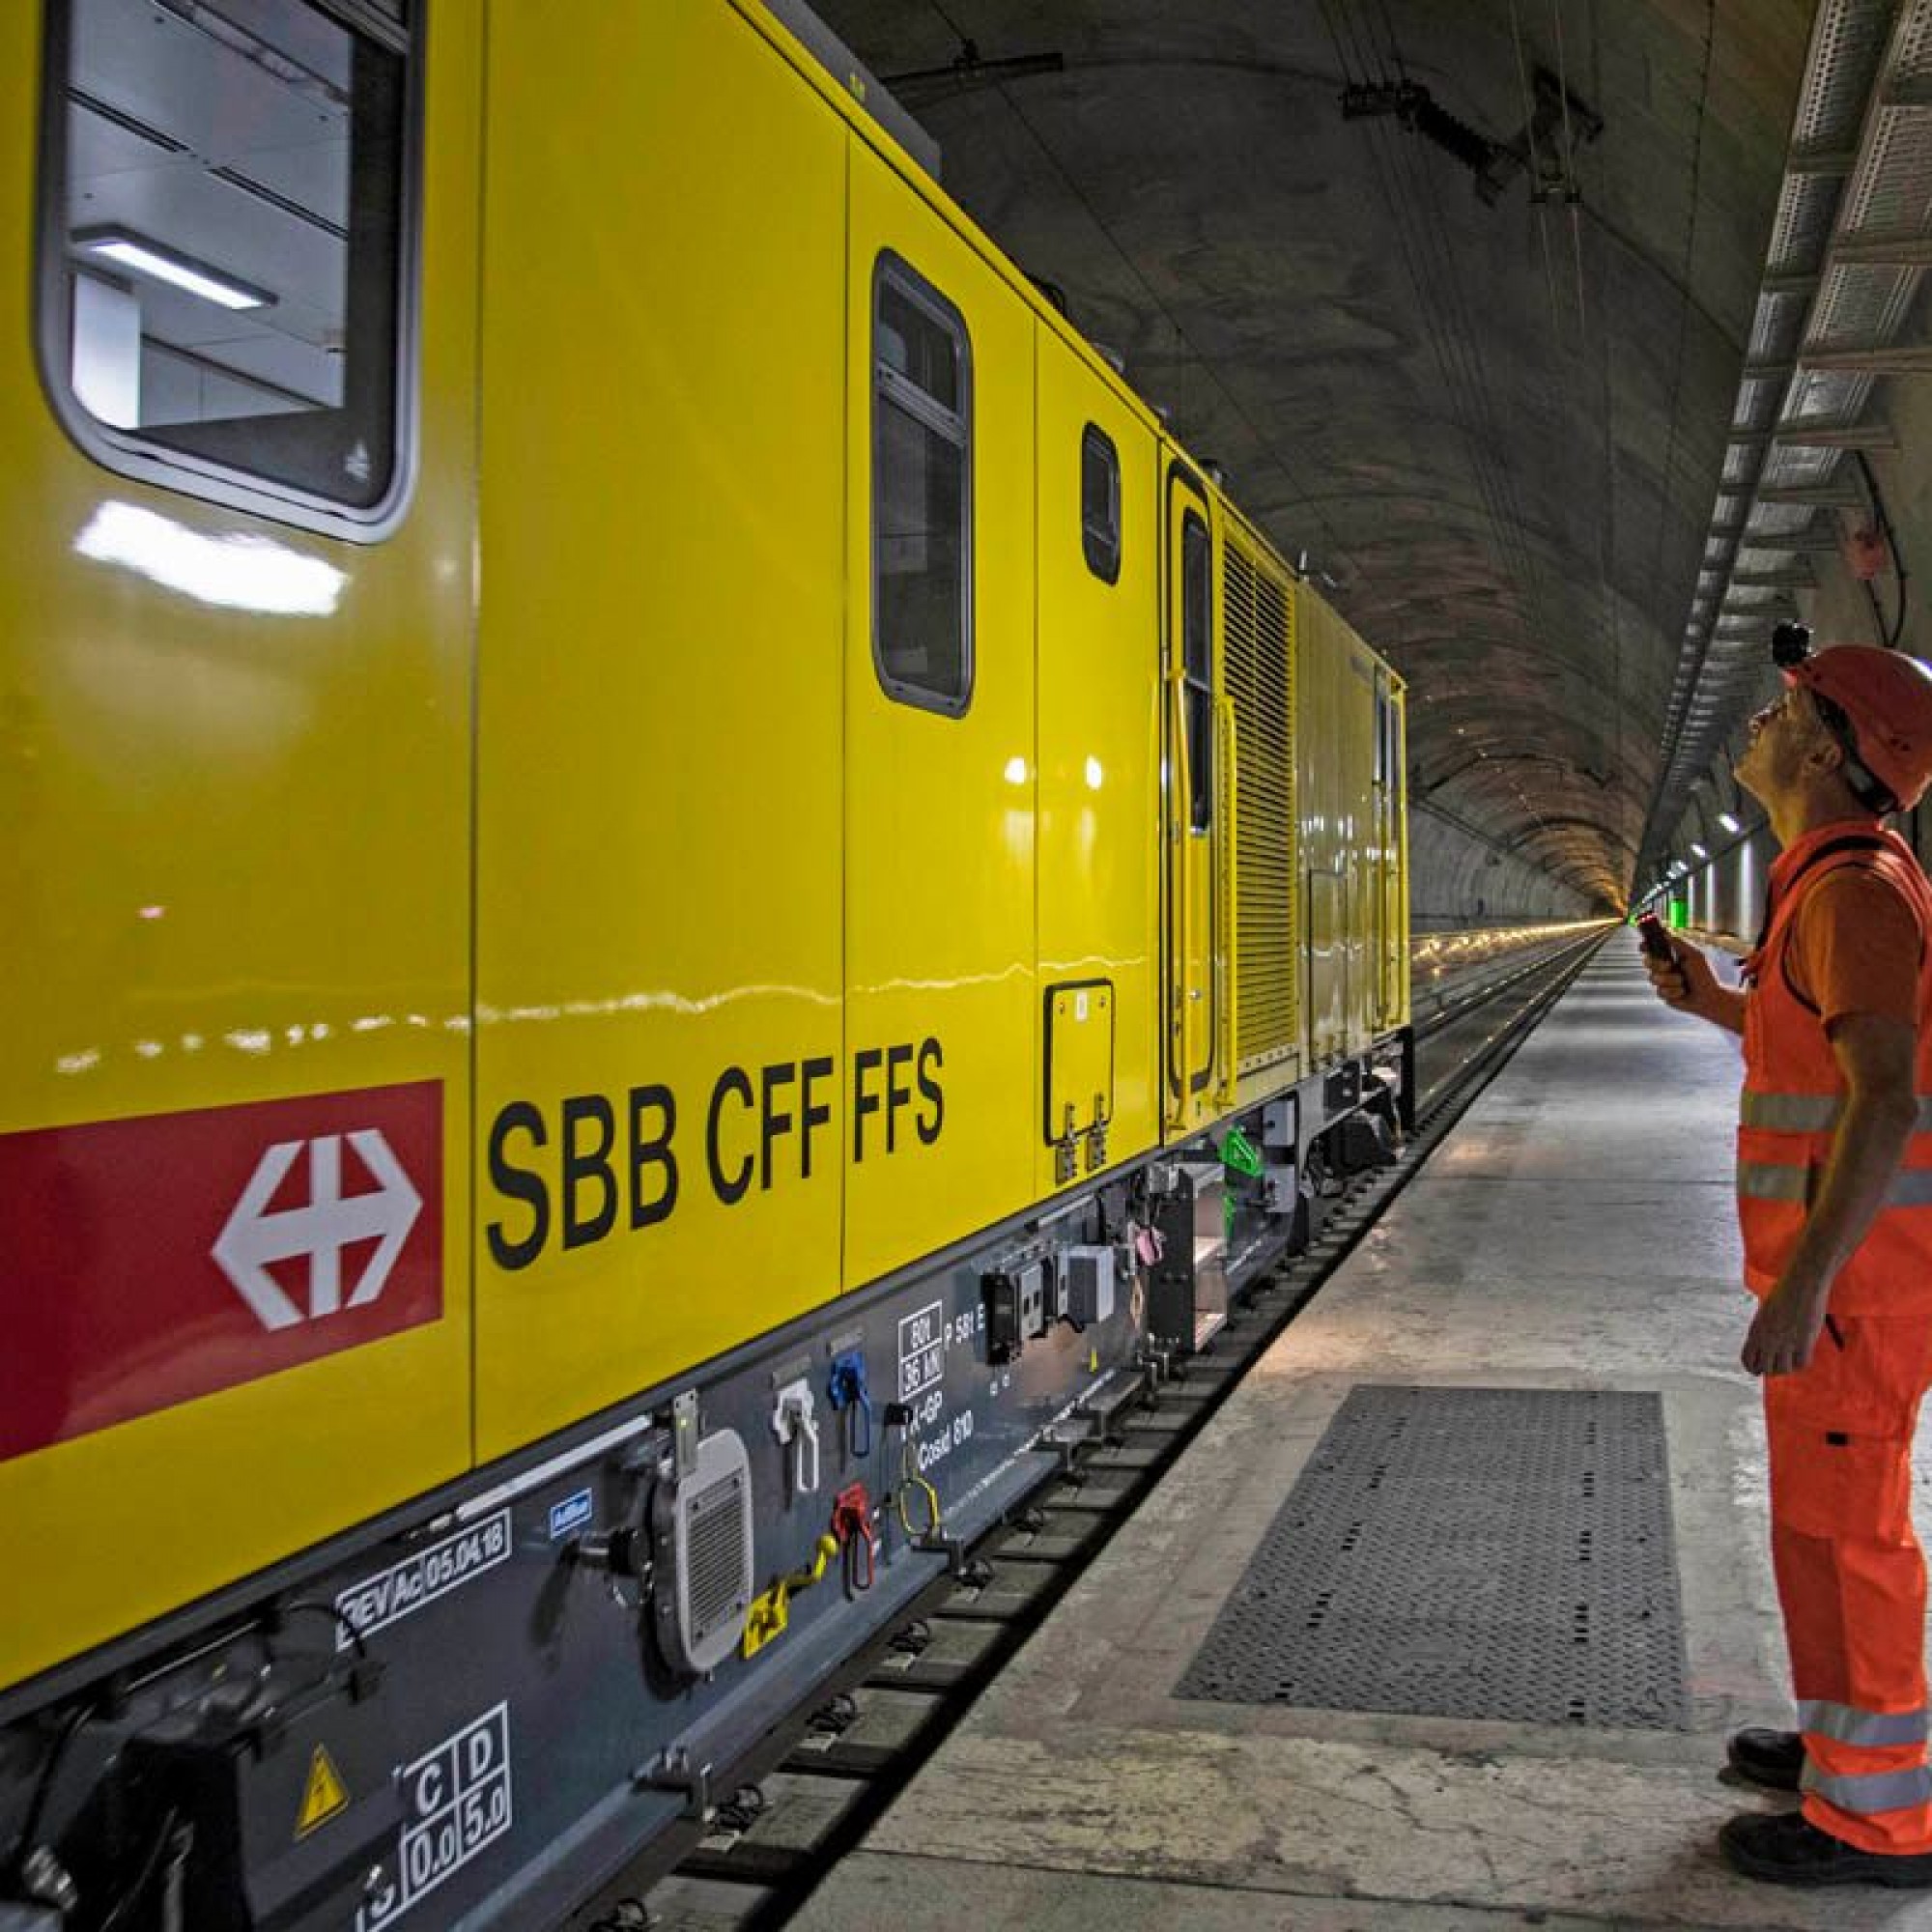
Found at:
[673, 887]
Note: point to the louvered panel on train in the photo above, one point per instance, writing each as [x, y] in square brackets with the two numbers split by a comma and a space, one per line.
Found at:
[1256, 640]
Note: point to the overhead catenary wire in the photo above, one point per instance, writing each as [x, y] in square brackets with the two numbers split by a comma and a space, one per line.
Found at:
[1611, 755]
[1446, 319]
[1536, 200]
[1572, 194]
[1442, 294]
[1387, 160]
[1606, 525]
[1690, 665]
[1460, 381]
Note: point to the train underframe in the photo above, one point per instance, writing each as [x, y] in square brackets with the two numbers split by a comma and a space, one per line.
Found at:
[479, 1708]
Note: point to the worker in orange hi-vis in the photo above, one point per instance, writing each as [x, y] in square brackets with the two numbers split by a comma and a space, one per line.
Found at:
[1834, 1200]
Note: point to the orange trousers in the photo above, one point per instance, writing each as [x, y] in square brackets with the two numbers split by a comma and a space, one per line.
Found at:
[1851, 1577]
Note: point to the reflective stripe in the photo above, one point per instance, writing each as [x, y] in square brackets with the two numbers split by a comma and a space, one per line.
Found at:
[1808, 1113]
[1765, 1180]
[1847, 1724]
[1758, 1181]
[1791, 1112]
[1871, 1793]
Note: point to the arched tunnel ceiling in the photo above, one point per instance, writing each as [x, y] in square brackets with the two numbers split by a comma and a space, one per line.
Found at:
[1474, 354]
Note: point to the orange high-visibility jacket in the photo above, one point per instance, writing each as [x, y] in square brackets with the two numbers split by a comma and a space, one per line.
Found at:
[1794, 1093]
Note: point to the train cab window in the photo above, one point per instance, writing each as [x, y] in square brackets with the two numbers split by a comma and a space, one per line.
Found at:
[1197, 659]
[224, 272]
[1388, 748]
[922, 493]
[1101, 503]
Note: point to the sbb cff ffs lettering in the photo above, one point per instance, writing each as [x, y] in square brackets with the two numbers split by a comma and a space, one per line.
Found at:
[883, 1079]
[614, 1163]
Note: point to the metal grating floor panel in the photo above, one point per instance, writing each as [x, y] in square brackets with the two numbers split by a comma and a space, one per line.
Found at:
[1467, 1553]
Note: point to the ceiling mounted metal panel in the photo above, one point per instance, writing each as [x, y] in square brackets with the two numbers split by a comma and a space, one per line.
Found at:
[1855, 230]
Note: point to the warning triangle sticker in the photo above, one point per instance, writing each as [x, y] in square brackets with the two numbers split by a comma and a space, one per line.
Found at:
[324, 1796]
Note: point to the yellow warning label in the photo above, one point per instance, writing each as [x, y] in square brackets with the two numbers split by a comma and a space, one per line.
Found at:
[324, 1796]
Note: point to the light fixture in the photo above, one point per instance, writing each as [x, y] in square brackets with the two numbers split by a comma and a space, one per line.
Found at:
[1729, 823]
[130, 250]
[1698, 849]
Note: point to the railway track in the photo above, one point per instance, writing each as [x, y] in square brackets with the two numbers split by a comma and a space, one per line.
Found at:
[782, 1816]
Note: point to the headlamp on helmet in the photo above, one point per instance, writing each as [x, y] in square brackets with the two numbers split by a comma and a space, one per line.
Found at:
[1790, 645]
[1877, 703]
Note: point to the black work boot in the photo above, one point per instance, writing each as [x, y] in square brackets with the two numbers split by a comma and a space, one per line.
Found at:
[1785, 1848]
[1774, 1759]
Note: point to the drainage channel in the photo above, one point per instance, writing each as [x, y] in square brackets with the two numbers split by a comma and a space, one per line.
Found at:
[789, 1810]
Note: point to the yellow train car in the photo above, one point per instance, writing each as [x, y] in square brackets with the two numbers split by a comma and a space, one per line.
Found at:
[656, 836]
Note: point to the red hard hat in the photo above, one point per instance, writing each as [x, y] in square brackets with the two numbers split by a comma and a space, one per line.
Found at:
[1887, 696]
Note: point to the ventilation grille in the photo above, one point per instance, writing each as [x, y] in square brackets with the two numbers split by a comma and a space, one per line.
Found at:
[715, 1582]
[702, 1546]
[1260, 680]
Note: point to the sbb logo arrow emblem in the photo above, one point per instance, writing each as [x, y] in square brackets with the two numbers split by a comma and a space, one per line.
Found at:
[149, 1262]
[255, 1235]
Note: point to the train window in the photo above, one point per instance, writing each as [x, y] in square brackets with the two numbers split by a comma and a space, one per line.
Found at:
[1197, 656]
[1101, 503]
[1388, 740]
[922, 493]
[224, 273]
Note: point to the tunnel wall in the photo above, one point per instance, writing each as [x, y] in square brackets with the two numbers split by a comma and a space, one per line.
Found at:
[1457, 880]
[1726, 895]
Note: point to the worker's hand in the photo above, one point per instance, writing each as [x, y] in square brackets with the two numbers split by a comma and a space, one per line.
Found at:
[1684, 981]
[1785, 1330]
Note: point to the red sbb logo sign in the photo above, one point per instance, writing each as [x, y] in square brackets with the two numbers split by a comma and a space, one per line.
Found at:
[258, 1234]
[145, 1263]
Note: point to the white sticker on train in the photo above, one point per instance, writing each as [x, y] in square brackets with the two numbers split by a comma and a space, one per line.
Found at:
[420, 1578]
[456, 1800]
[922, 1351]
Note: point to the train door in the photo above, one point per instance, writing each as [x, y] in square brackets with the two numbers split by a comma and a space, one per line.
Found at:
[1322, 734]
[1097, 563]
[940, 755]
[659, 932]
[1356, 751]
[1391, 934]
[1190, 832]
